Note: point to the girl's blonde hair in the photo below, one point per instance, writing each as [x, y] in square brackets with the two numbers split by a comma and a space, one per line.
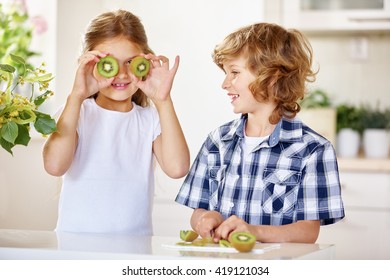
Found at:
[280, 59]
[120, 23]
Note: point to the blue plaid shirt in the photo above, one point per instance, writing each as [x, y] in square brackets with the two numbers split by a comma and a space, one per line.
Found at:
[291, 176]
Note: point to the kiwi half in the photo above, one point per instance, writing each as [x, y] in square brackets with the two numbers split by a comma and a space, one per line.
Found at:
[188, 235]
[139, 66]
[243, 241]
[108, 66]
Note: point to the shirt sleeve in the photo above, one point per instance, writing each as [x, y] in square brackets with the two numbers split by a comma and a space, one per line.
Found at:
[194, 192]
[319, 196]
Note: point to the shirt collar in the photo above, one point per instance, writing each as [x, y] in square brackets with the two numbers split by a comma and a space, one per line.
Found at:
[287, 130]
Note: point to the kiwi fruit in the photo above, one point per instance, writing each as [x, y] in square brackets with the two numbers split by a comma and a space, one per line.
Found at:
[203, 241]
[242, 241]
[208, 240]
[139, 66]
[224, 243]
[188, 235]
[108, 66]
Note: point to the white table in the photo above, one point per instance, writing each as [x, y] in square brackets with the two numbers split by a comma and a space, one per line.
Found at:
[45, 245]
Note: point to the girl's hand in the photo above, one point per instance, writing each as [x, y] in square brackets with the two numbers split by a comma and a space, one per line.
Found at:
[158, 83]
[85, 83]
[231, 225]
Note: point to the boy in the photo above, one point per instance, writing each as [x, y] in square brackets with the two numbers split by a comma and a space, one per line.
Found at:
[265, 173]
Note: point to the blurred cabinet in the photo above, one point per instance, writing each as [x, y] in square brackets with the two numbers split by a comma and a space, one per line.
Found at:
[365, 230]
[337, 15]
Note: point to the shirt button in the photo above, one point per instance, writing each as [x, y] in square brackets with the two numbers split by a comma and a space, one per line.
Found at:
[231, 204]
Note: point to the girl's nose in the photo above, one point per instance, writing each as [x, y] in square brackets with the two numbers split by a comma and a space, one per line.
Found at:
[123, 71]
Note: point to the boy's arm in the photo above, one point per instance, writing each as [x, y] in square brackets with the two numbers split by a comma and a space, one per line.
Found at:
[305, 231]
[299, 232]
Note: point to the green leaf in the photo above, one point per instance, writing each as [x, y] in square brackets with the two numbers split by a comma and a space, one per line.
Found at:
[7, 68]
[9, 132]
[45, 78]
[41, 98]
[23, 136]
[6, 145]
[17, 59]
[44, 124]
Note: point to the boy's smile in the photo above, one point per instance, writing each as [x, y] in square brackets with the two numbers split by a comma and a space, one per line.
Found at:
[237, 81]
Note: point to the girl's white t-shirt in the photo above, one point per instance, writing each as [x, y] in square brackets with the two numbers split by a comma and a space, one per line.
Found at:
[110, 184]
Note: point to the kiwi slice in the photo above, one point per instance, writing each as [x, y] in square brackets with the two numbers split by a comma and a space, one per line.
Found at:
[108, 66]
[243, 241]
[224, 243]
[139, 66]
[188, 235]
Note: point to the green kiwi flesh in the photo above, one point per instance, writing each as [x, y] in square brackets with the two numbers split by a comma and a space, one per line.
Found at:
[224, 243]
[188, 235]
[108, 66]
[243, 241]
[139, 66]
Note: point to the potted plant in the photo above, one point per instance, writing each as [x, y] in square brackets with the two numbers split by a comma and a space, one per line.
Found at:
[18, 112]
[349, 130]
[376, 125]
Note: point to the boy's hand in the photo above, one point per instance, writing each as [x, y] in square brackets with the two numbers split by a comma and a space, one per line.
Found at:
[207, 222]
[231, 225]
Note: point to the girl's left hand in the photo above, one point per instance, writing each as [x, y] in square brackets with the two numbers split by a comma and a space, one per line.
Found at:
[158, 82]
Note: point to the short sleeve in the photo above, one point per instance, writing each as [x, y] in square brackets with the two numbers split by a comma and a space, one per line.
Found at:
[319, 196]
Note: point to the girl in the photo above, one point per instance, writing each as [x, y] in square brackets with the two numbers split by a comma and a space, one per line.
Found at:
[108, 133]
[265, 173]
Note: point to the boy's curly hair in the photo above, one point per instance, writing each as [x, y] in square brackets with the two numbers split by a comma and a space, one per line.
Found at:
[280, 59]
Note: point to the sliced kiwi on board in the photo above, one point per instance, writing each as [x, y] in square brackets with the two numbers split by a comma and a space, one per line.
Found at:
[188, 235]
[139, 66]
[224, 243]
[243, 241]
[108, 66]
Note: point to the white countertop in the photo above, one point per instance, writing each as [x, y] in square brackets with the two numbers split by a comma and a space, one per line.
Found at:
[362, 164]
[44, 245]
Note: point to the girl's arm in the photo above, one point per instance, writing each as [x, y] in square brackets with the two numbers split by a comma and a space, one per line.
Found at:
[60, 148]
[170, 147]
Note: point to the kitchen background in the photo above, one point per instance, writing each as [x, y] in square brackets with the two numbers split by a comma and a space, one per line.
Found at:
[354, 62]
